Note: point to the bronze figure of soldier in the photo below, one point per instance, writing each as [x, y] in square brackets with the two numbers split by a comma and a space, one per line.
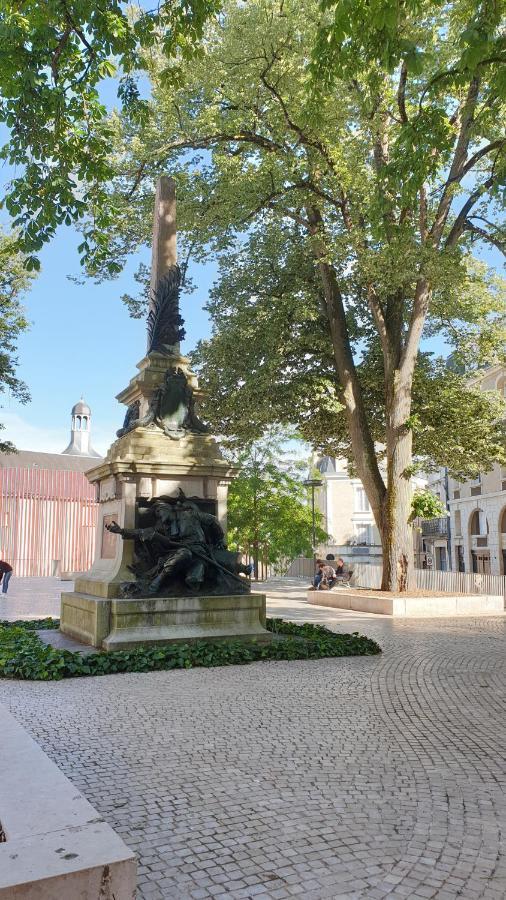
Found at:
[186, 542]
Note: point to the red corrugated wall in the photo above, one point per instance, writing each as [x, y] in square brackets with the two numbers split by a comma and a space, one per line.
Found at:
[47, 521]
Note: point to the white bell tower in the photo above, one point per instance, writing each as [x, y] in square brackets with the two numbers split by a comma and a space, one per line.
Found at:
[80, 431]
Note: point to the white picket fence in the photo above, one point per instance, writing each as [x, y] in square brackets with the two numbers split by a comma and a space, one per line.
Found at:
[429, 580]
[367, 576]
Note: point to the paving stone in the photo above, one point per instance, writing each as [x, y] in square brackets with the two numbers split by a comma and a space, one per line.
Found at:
[368, 777]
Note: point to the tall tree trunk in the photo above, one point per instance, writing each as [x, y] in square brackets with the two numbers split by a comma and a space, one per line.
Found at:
[396, 533]
[361, 439]
[391, 504]
[399, 361]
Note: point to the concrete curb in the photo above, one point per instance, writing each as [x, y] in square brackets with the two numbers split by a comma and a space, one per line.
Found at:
[428, 607]
[57, 845]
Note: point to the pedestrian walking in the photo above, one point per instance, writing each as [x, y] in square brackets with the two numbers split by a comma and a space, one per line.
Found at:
[5, 575]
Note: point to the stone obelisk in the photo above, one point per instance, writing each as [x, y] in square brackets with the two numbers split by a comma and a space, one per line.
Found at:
[154, 456]
[164, 249]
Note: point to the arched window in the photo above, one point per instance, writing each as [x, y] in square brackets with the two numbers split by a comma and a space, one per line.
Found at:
[84, 425]
[478, 523]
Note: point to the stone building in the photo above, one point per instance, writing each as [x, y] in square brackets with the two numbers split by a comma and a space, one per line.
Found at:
[48, 508]
[347, 515]
[478, 507]
[434, 535]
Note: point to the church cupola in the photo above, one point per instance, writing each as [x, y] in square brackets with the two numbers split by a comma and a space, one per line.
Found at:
[80, 431]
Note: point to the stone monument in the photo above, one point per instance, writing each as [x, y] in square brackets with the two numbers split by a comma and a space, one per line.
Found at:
[162, 570]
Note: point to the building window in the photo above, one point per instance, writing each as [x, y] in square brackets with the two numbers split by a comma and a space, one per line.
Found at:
[456, 495]
[458, 522]
[479, 526]
[475, 486]
[364, 534]
[361, 501]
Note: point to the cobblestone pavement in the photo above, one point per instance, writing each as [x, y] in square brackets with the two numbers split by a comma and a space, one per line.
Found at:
[33, 598]
[349, 778]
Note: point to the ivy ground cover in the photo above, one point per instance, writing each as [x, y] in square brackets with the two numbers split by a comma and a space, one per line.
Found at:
[23, 655]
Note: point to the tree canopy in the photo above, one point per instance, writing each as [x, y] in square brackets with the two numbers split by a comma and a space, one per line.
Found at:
[363, 150]
[270, 361]
[14, 282]
[53, 57]
[269, 516]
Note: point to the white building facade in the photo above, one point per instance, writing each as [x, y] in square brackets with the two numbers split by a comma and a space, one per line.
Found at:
[347, 515]
[478, 507]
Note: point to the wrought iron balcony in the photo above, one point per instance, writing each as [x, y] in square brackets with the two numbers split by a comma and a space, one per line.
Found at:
[437, 527]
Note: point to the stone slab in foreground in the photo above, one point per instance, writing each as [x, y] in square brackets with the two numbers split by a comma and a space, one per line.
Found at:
[417, 606]
[56, 844]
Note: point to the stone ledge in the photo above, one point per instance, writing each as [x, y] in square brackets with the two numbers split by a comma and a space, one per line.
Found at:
[56, 845]
[427, 607]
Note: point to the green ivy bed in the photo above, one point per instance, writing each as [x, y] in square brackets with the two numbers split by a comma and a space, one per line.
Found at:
[24, 655]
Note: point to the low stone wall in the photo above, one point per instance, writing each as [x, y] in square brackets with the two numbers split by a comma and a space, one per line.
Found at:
[410, 606]
[57, 846]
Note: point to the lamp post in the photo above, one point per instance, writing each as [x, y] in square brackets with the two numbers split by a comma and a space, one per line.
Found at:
[313, 483]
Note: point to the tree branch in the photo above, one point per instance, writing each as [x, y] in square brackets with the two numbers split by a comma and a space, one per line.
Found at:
[416, 325]
[471, 162]
[304, 138]
[401, 93]
[138, 178]
[244, 136]
[458, 161]
[458, 225]
[485, 235]
[58, 52]
[423, 214]
[358, 425]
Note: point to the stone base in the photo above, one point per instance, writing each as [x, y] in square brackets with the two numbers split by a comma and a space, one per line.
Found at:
[117, 624]
[417, 606]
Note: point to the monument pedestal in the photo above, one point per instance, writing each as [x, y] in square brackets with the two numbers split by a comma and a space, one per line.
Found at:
[120, 624]
[164, 484]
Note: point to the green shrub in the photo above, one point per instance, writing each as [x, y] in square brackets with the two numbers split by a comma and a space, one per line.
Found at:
[24, 655]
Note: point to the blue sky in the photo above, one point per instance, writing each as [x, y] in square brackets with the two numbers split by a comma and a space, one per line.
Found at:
[83, 342]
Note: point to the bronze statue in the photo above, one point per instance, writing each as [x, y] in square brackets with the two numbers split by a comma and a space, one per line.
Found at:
[165, 325]
[172, 408]
[183, 552]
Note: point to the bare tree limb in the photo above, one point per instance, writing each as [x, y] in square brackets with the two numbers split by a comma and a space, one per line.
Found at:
[458, 225]
[202, 143]
[471, 162]
[138, 178]
[416, 325]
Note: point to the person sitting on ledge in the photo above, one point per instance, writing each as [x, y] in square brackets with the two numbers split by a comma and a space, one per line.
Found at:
[324, 578]
[328, 579]
[318, 576]
[343, 572]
